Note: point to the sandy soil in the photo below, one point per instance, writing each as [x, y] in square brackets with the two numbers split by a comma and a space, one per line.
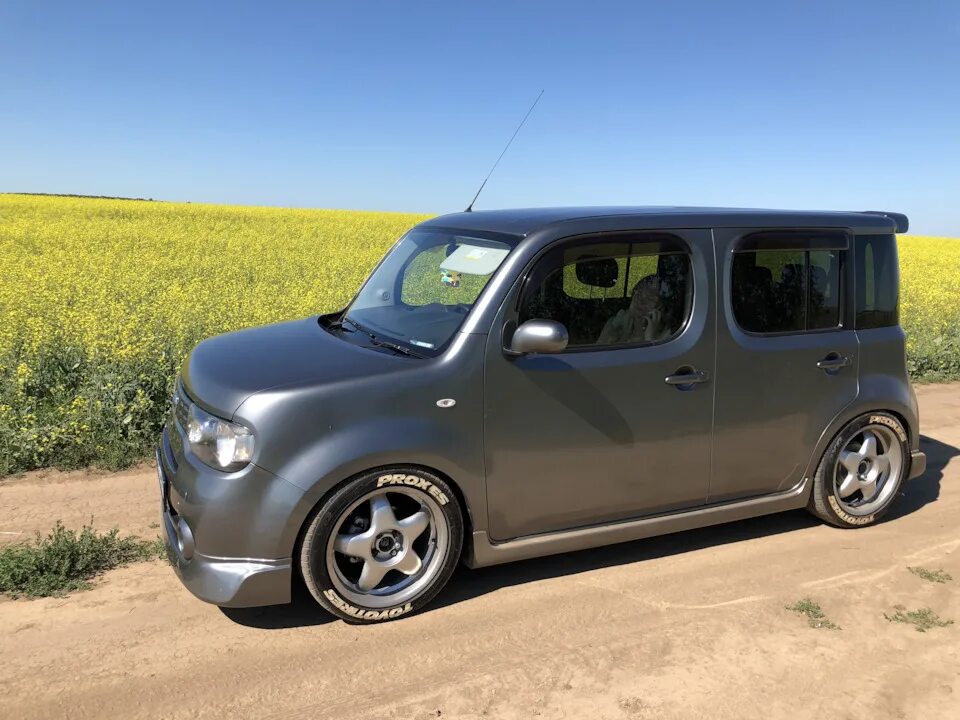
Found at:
[685, 626]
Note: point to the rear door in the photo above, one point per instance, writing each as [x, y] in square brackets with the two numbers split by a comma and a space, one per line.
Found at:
[787, 354]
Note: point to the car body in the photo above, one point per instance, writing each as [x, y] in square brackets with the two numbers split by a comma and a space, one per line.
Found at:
[758, 346]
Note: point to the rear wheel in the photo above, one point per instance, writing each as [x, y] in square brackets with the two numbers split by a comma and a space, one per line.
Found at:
[861, 472]
[383, 545]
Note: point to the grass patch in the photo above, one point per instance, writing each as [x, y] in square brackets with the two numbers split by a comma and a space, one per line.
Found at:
[937, 576]
[65, 560]
[813, 613]
[922, 619]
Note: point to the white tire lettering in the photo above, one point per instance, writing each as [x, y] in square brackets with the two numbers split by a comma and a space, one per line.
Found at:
[847, 517]
[890, 423]
[356, 612]
[414, 481]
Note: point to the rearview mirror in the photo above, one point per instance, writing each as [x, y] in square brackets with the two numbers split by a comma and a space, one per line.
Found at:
[597, 272]
[539, 336]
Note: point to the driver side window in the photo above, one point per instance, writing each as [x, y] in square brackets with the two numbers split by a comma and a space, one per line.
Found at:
[613, 294]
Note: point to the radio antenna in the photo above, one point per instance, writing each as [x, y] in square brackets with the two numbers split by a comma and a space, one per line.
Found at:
[507, 147]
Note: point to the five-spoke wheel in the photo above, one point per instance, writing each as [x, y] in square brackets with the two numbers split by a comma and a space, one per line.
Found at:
[861, 471]
[387, 546]
[382, 545]
[864, 468]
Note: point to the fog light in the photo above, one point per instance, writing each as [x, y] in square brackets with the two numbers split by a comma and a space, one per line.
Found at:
[185, 539]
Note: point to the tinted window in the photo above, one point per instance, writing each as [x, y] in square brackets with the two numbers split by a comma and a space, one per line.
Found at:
[612, 293]
[824, 294]
[777, 291]
[877, 281]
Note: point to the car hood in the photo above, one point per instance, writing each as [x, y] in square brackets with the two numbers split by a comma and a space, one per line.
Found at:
[225, 370]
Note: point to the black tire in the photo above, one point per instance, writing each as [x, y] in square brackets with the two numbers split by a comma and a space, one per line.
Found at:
[825, 502]
[400, 483]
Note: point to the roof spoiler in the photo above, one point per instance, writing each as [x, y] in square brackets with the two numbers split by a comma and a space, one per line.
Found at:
[899, 219]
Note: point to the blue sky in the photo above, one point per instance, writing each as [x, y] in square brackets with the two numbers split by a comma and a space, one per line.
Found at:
[404, 106]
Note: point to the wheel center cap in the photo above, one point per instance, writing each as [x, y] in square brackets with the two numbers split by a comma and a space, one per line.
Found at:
[863, 467]
[387, 545]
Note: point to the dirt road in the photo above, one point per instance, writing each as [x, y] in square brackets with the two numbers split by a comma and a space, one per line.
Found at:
[685, 626]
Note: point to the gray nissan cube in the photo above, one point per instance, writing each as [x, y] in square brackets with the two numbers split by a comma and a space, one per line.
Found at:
[516, 383]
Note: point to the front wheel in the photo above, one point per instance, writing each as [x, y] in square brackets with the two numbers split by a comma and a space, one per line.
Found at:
[861, 472]
[383, 545]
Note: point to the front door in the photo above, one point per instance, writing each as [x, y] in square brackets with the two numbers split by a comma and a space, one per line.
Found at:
[786, 354]
[618, 425]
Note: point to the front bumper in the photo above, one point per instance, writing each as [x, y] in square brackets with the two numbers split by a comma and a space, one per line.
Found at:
[918, 463]
[224, 581]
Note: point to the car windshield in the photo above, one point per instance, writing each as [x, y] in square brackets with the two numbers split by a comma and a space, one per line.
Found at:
[422, 291]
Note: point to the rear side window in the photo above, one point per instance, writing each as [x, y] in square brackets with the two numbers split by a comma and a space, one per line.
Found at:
[788, 283]
[877, 281]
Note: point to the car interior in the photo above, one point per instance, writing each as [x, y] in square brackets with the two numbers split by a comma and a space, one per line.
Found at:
[609, 291]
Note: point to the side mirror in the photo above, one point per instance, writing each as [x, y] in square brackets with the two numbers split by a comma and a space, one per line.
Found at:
[539, 336]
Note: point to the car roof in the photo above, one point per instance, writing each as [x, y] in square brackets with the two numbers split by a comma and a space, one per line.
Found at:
[523, 221]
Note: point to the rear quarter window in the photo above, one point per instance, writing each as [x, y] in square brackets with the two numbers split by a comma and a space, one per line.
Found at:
[877, 280]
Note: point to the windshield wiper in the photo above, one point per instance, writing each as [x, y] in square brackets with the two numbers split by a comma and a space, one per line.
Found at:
[339, 324]
[396, 347]
[380, 342]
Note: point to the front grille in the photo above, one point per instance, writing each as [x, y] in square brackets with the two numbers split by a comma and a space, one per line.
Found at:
[181, 407]
[177, 424]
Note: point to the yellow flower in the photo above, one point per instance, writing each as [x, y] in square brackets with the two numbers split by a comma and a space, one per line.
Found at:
[102, 299]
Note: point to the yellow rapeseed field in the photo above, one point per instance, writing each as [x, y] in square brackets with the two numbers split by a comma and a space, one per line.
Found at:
[100, 300]
[930, 305]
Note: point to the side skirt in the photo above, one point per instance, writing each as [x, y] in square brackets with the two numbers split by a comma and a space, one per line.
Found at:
[484, 552]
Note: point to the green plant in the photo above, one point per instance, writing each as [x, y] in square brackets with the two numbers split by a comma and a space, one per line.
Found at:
[65, 560]
[813, 613]
[937, 576]
[922, 619]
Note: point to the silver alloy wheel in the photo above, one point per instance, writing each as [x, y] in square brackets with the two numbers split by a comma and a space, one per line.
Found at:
[867, 470]
[387, 547]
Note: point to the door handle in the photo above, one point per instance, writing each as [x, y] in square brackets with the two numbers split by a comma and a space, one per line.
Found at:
[833, 361]
[685, 378]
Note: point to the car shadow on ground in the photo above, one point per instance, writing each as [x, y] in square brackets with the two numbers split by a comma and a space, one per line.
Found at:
[926, 488]
[301, 611]
[468, 584]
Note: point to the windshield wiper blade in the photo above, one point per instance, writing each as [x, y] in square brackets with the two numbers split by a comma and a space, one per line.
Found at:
[395, 346]
[358, 327]
[339, 324]
[380, 342]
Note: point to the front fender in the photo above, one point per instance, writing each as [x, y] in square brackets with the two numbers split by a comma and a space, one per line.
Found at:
[379, 442]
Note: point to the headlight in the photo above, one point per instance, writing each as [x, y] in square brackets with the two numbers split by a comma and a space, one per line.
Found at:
[220, 444]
